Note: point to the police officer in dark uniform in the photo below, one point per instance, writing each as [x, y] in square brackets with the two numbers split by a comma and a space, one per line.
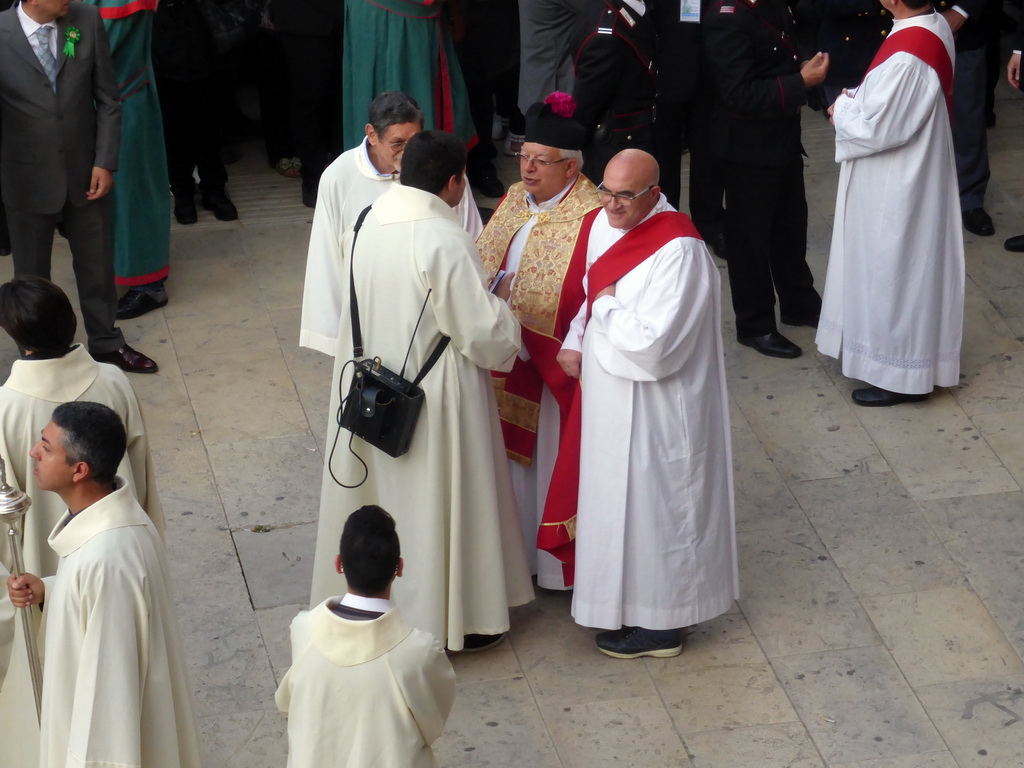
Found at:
[971, 21]
[615, 80]
[761, 86]
[851, 33]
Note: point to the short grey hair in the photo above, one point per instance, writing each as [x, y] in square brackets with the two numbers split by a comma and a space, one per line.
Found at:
[394, 108]
[573, 154]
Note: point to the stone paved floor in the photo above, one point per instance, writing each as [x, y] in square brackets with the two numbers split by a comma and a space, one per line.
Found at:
[881, 551]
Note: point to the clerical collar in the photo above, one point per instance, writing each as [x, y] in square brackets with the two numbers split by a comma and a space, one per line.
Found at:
[369, 161]
[548, 205]
[376, 604]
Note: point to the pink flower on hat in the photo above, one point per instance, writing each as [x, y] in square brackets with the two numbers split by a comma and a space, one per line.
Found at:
[562, 104]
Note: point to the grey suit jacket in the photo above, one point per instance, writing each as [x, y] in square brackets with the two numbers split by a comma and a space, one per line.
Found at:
[51, 141]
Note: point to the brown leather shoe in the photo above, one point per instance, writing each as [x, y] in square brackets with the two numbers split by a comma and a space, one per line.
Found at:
[128, 360]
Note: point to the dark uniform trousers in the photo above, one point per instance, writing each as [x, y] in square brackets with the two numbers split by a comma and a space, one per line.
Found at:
[751, 47]
[766, 234]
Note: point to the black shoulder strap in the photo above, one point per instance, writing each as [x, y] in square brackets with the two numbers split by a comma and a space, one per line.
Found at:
[353, 308]
[357, 335]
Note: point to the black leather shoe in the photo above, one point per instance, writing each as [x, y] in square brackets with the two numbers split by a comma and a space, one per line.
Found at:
[137, 303]
[128, 360]
[978, 222]
[476, 643]
[876, 397]
[1015, 244]
[217, 201]
[185, 210]
[811, 321]
[772, 344]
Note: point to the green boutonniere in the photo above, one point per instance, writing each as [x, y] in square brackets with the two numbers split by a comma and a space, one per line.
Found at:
[71, 36]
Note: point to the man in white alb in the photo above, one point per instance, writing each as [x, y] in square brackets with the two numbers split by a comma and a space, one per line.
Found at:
[353, 181]
[655, 532]
[894, 293]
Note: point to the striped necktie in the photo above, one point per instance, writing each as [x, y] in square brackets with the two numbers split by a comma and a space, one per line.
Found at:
[45, 56]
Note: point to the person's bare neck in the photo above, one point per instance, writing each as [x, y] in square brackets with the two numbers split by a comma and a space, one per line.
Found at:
[81, 496]
[383, 165]
[36, 15]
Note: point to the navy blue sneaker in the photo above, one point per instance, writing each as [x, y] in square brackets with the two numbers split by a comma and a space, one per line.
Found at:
[634, 642]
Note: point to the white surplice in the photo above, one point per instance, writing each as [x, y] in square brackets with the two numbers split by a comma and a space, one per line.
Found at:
[655, 535]
[450, 494]
[347, 186]
[27, 400]
[363, 694]
[894, 292]
[116, 690]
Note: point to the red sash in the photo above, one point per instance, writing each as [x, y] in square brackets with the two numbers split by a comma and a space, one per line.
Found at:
[557, 532]
[928, 47]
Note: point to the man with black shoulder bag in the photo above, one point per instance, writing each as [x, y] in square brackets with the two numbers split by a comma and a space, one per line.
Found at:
[415, 278]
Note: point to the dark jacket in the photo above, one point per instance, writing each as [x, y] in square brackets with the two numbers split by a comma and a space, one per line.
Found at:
[615, 78]
[751, 48]
[677, 56]
[851, 33]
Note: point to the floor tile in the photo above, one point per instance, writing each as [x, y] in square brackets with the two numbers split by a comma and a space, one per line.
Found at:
[980, 720]
[627, 731]
[781, 745]
[277, 563]
[935, 450]
[856, 705]
[876, 534]
[942, 636]
[811, 434]
[795, 597]
[244, 739]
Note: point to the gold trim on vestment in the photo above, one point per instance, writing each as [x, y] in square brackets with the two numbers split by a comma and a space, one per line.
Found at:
[570, 527]
[537, 289]
[518, 411]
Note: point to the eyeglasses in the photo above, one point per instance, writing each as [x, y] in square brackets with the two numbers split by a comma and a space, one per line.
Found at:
[397, 146]
[526, 160]
[624, 197]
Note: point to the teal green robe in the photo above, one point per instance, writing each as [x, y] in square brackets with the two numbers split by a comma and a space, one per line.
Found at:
[141, 197]
[402, 45]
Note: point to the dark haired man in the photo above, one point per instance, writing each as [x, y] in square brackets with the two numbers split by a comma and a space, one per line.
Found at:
[37, 315]
[61, 113]
[451, 491]
[350, 183]
[116, 690]
[894, 293]
[364, 689]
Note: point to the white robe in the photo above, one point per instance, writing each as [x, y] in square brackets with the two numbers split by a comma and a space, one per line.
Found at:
[347, 186]
[27, 400]
[531, 483]
[116, 690]
[655, 535]
[894, 292]
[450, 494]
[363, 694]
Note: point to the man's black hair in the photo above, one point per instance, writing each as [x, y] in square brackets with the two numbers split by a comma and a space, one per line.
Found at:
[394, 108]
[369, 550]
[93, 434]
[431, 158]
[38, 316]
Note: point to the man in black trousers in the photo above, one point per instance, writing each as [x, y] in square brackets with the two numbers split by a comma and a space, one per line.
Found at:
[761, 85]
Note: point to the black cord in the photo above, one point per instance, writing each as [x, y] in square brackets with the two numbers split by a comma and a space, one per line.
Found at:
[401, 374]
[341, 408]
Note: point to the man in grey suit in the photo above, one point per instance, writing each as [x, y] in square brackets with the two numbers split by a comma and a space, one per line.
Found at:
[61, 133]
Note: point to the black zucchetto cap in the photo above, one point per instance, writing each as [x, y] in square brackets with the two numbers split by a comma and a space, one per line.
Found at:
[550, 122]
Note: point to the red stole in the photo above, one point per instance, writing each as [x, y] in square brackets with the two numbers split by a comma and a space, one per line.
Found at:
[557, 532]
[928, 47]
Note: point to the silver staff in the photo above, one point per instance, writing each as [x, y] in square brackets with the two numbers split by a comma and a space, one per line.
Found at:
[13, 506]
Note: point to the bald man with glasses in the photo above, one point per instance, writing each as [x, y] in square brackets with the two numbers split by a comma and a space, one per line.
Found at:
[655, 543]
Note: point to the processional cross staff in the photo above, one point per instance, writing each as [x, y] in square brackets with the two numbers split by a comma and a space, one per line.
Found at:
[13, 506]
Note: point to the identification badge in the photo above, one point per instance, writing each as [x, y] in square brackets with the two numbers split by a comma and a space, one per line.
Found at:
[689, 11]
